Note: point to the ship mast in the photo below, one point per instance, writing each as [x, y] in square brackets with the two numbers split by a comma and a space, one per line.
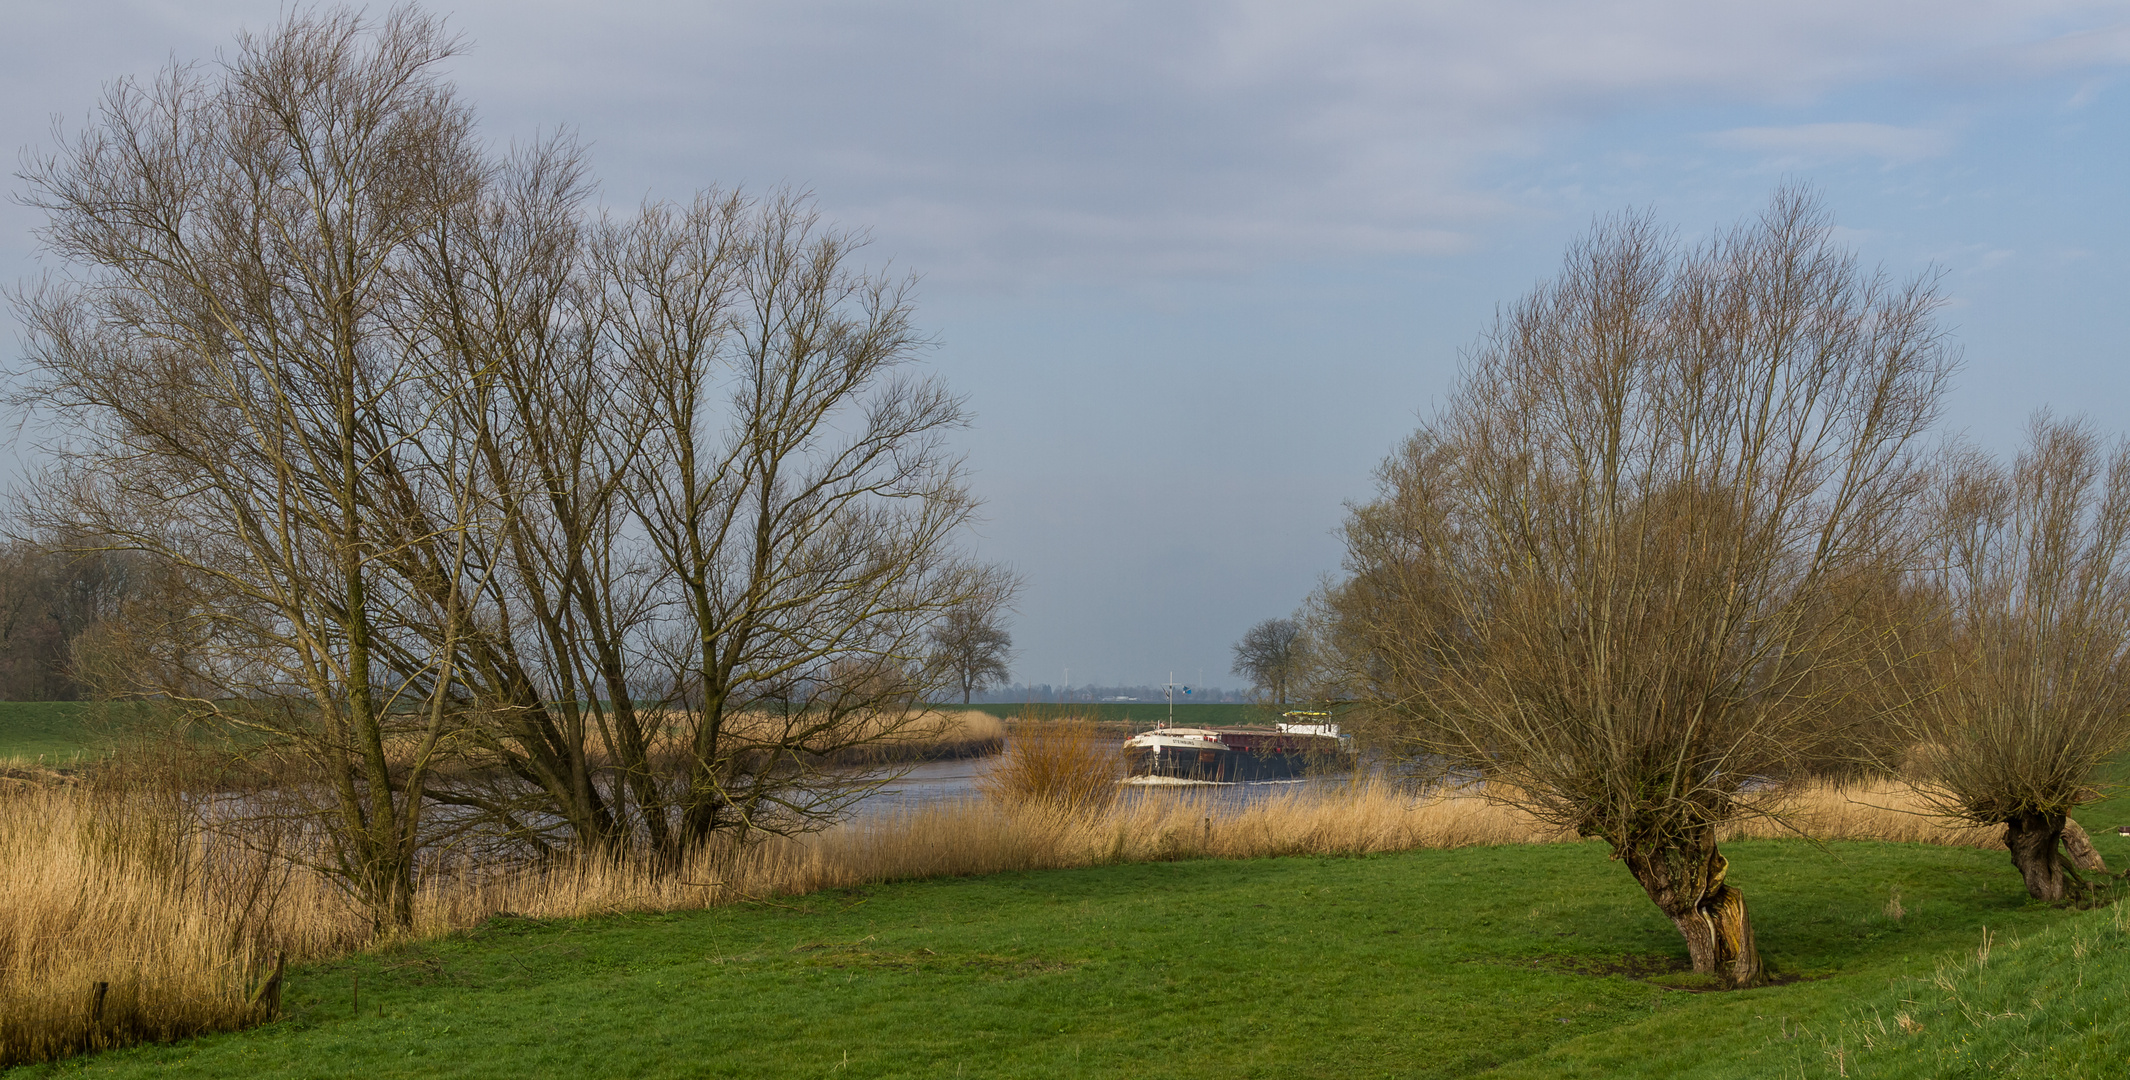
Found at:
[1170, 688]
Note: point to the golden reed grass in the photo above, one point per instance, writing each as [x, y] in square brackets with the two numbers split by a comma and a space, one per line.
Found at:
[119, 890]
[867, 738]
[1069, 765]
[1865, 810]
[121, 924]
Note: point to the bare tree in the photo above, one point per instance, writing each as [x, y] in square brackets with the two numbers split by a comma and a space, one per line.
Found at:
[805, 548]
[238, 403]
[646, 519]
[724, 518]
[1271, 656]
[974, 651]
[2020, 688]
[1614, 576]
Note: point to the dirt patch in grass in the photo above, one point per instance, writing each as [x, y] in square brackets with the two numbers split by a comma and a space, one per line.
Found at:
[1657, 969]
[856, 954]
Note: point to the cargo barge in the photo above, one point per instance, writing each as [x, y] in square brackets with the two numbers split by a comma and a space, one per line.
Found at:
[1301, 745]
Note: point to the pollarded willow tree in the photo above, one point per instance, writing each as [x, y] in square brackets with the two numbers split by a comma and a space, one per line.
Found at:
[2021, 681]
[1618, 575]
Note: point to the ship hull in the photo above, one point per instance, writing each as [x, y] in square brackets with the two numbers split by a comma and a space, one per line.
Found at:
[1234, 758]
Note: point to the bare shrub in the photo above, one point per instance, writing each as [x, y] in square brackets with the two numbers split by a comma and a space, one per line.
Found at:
[1066, 764]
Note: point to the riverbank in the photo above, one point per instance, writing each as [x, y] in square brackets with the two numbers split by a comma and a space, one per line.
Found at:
[180, 927]
[1130, 716]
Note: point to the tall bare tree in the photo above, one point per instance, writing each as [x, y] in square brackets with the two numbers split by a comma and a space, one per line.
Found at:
[2021, 689]
[646, 518]
[1271, 656]
[970, 645]
[725, 518]
[800, 502]
[238, 402]
[1614, 575]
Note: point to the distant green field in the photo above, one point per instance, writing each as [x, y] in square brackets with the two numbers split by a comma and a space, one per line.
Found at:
[1133, 712]
[65, 731]
[57, 731]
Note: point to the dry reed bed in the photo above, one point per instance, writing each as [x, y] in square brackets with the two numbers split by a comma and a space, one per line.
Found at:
[872, 738]
[872, 742]
[117, 889]
[975, 837]
[1870, 810]
[121, 925]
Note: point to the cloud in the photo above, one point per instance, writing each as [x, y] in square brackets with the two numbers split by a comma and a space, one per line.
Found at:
[1102, 138]
[2070, 53]
[1813, 143]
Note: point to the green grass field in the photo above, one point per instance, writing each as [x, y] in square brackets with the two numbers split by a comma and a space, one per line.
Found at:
[1526, 961]
[1539, 961]
[57, 731]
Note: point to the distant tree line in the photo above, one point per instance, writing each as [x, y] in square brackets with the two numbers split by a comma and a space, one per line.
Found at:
[59, 605]
[1138, 694]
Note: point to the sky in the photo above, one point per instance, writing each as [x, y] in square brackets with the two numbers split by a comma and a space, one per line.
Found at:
[1199, 266]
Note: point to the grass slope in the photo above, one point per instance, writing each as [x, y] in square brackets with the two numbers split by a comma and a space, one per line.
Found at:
[1422, 964]
[54, 730]
[2054, 1004]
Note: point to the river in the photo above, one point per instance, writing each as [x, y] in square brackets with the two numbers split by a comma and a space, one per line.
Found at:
[947, 781]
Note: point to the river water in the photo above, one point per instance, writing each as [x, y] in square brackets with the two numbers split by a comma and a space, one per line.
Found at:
[949, 781]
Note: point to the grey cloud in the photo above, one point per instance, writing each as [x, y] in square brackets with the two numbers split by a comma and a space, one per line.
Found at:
[1098, 139]
[1804, 144]
[2086, 50]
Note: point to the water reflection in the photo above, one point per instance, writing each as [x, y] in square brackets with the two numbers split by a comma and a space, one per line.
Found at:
[950, 781]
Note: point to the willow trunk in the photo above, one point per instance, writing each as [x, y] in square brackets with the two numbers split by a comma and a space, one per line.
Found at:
[2033, 840]
[1684, 877]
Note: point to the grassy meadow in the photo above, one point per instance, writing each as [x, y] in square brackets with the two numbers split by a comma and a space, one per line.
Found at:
[59, 732]
[1333, 930]
[1511, 960]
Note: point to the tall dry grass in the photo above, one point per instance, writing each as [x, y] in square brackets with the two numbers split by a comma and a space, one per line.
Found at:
[180, 928]
[1066, 765]
[973, 836]
[865, 738]
[122, 923]
[1881, 809]
[935, 736]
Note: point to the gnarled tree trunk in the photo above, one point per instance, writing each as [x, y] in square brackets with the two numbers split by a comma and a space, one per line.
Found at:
[1685, 880]
[2080, 848]
[2033, 840]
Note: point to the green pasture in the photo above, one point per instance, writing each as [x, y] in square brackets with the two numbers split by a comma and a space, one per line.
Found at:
[1537, 961]
[1524, 961]
[59, 732]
